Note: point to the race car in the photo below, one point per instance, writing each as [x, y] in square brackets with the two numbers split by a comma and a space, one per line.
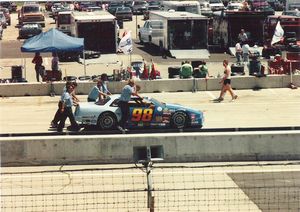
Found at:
[144, 113]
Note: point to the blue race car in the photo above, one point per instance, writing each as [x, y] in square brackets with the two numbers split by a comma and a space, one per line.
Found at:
[144, 113]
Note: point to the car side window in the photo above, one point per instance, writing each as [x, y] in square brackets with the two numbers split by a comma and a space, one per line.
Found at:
[115, 103]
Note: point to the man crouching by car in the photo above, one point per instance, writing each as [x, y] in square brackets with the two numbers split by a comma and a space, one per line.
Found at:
[66, 110]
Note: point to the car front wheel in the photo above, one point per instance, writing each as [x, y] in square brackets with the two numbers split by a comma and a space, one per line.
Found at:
[179, 120]
[107, 121]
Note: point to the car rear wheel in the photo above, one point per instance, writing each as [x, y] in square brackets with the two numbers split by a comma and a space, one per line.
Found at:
[107, 121]
[179, 120]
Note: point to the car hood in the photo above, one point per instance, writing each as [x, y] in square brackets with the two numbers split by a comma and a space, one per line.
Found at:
[180, 107]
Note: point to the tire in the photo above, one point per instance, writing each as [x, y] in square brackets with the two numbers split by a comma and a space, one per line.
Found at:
[179, 120]
[107, 121]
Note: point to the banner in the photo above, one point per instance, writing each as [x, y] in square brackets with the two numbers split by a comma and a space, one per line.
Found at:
[278, 34]
[125, 44]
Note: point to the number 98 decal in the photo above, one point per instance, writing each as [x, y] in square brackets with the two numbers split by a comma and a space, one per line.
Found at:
[139, 114]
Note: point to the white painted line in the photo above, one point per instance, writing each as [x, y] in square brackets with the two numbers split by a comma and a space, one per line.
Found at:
[210, 94]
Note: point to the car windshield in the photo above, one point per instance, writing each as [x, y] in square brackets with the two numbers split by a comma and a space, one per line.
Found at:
[156, 102]
[123, 9]
[31, 9]
[102, 101]
[215, 1]
[153, 8]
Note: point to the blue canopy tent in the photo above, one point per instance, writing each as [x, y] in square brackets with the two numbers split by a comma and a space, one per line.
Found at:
[54, 41]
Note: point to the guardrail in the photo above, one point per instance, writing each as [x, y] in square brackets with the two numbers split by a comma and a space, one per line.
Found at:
[178, 147]
[150, 86]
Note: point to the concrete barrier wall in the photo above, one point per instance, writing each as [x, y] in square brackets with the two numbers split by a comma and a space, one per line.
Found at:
[187, 147]
[168, 85]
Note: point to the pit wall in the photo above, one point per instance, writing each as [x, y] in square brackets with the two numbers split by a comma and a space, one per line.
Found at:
[150, 86]
[178, 147]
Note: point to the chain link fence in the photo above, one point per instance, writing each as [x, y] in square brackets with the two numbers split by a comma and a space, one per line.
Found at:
[174, 187]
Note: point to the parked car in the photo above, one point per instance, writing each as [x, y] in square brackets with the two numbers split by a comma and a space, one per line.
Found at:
[3, 20]
[144, 113]
[31, 13]
[112, 7]
[29, 30]
[216, 5]
[139, 7]
[6, 4]
[234, 5]
[123, 13]
[93, 8]
[150, 8]
[205, 9]
[6, 14]
[277, 5]
[291, 13]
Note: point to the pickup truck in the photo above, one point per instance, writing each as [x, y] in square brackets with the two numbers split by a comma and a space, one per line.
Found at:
[31, 13]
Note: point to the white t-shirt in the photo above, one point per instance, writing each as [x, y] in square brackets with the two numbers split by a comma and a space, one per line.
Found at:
[238, 47]
[246, 49]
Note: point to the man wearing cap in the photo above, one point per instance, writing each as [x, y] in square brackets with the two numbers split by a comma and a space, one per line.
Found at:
[128, 91]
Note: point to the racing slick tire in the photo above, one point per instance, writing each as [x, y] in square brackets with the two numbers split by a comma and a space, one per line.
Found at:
[179, 120]
[107, 121]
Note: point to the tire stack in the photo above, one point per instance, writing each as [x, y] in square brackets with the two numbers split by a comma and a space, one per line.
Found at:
[174, 72]
[290, 38]
[17, 73]
[237, 69]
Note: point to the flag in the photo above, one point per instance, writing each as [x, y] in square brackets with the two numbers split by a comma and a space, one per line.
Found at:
[278, 34]
[125, 44]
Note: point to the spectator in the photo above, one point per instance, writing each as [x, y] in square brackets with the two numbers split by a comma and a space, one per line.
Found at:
[38, 61]
[238, 52]
[145, 74]
[186, 70]
[66, 110]
[242, 37]
[99, 91]
[54, 62]
[226, 83]
[154, 73]
[201, 71]
[125, 97]
[276, 66]
[246, 52]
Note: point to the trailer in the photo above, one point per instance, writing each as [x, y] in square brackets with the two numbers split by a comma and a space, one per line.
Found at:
[99, 30]
[226, 26]
[181, 34]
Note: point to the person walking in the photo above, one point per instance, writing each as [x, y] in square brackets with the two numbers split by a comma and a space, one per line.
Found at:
[57, 116]
[226, 83]
[99, 91]
[66, 110]
[38, 61]
[128, 91]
